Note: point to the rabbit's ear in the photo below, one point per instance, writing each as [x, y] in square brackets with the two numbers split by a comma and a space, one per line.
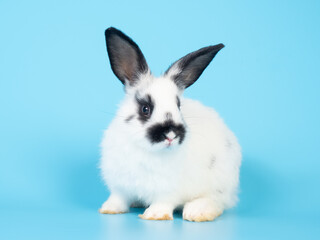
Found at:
[126, 59]
[188, 69]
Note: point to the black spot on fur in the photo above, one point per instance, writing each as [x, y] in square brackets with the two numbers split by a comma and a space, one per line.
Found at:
[178, 102]
[128, 119]
[228, 144]
[168, 116]
[142, 102]
[212, 162]
[157, 132]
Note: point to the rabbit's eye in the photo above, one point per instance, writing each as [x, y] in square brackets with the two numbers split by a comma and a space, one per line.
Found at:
[145, 109]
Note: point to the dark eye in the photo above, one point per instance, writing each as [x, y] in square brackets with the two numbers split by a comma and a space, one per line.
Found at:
[145, 109]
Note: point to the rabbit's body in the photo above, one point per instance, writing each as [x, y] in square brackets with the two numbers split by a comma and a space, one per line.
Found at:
[207, 164]
[165, 151]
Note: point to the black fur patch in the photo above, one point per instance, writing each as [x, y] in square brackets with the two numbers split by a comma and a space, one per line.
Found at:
[178, 102]
[168, 116]
[128, 119]
[146, 101]
[156, 133]
[212, 162]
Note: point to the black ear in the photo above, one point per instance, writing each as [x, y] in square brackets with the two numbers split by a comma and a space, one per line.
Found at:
[126, 59]
[188, 69]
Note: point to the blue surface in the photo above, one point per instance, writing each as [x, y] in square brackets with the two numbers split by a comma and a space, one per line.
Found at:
[57, 94]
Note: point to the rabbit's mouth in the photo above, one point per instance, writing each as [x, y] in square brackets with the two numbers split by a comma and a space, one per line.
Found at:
[168, 132]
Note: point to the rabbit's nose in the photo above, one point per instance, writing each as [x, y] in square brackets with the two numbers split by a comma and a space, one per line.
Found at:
[170, 136]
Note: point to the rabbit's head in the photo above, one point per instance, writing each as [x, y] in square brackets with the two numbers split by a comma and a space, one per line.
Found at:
[152, 104]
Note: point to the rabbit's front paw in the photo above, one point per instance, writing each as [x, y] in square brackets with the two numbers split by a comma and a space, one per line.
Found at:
[201, 210]
[114, 205]
[157, 212]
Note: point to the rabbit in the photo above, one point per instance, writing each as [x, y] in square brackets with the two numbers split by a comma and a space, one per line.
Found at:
[163, 151]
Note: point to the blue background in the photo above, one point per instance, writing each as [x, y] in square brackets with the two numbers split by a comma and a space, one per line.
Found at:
[58, 93]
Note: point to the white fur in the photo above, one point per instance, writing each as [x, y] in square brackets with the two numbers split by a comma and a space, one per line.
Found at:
[205, 166]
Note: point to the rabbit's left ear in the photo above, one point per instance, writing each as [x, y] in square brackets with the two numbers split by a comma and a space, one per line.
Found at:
[188, 69]
[126, 59]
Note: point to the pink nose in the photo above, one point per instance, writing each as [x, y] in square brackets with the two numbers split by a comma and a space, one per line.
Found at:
[170, 136]
[169, 139]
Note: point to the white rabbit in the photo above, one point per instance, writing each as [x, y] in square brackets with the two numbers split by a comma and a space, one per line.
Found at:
[162, 150]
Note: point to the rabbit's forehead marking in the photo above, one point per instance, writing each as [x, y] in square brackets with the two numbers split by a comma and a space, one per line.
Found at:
[168, 116]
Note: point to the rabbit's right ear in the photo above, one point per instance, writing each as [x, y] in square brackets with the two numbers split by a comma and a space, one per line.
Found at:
[126, 59]
[188, 69]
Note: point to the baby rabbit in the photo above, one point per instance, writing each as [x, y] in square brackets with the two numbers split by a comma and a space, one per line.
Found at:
[164, 151]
